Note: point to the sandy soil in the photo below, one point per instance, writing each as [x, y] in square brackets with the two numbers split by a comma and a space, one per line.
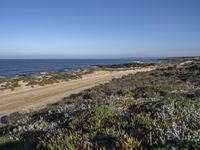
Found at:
[184, 63]
[31, 99]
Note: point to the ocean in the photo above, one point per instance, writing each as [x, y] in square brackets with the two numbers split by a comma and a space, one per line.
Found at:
[13, 67]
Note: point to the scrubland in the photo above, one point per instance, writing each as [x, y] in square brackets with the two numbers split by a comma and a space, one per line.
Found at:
[159, 109]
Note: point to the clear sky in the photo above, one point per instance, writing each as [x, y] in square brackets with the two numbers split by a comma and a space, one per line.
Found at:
[99, 28]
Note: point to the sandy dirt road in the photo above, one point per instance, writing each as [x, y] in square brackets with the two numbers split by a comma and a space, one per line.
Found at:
[31, 99]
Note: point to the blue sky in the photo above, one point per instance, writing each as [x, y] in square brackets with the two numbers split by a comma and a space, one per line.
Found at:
[99, 28]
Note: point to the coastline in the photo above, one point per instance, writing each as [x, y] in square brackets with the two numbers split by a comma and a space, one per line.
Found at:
[29, 97]
[26, 99]
[133, 94]
[51, 77]
[13, 67]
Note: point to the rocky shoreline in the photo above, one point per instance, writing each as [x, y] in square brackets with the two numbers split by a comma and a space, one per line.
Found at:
[45, 78]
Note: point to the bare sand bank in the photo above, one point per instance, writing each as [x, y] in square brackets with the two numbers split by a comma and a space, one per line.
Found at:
[29, 99]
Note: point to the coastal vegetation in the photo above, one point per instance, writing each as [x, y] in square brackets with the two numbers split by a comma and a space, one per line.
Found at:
[40, 79]
[159, 109]
[46, 78]
[124, 66]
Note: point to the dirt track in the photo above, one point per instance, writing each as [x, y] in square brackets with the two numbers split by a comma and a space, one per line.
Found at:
[29, 99]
